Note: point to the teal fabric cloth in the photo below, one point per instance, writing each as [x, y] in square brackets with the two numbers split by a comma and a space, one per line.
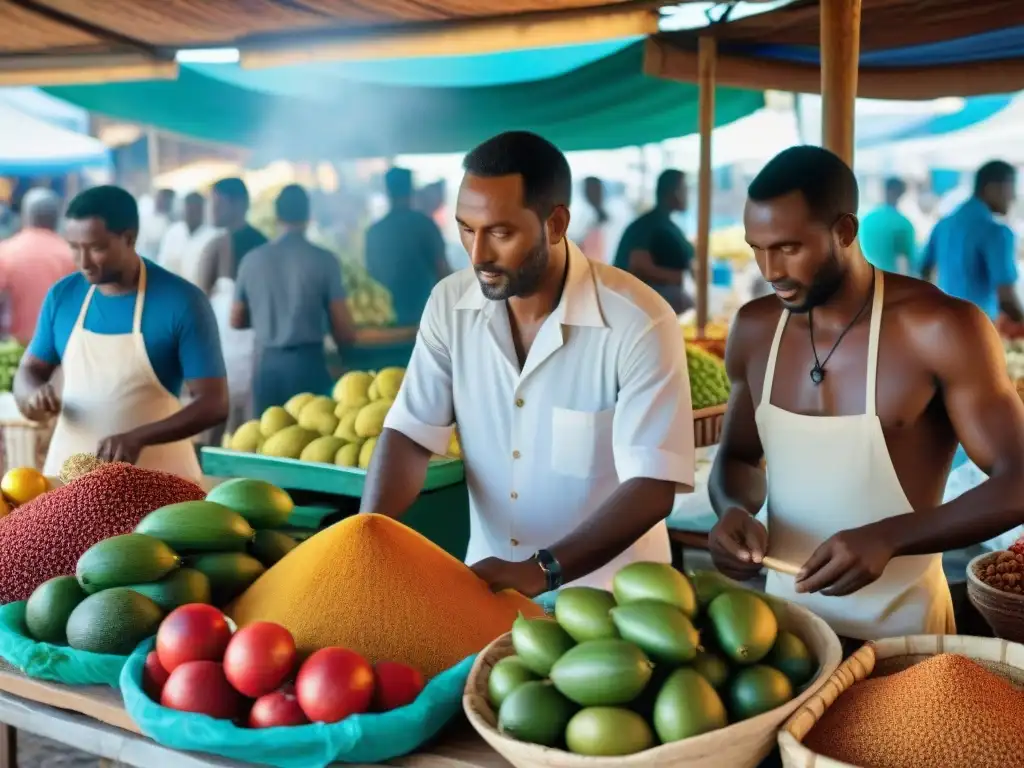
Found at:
[886, 236]
[56, 663]
[369, 738]
[603, 104]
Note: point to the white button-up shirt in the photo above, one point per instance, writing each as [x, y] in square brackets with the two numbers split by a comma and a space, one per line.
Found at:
[604, 397]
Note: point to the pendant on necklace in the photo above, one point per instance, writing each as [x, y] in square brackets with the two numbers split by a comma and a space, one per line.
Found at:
[817, 374]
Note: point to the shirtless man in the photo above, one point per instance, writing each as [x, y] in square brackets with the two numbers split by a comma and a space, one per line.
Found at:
[855, 386]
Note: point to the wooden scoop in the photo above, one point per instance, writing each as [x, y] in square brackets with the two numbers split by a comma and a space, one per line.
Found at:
[774, 564]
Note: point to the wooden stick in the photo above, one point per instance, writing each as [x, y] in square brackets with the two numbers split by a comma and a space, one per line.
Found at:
[773, 564]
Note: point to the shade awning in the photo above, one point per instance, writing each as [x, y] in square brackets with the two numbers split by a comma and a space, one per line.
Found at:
[909, 49]
[33, 147]
[310, 112]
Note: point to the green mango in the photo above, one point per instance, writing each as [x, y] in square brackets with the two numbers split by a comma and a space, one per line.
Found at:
[660, 630]
[654, 581]
[583, 612]
[745, 626]
[687, 705]
[539, 643]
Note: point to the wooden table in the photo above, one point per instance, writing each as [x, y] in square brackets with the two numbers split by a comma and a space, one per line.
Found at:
[92, 719]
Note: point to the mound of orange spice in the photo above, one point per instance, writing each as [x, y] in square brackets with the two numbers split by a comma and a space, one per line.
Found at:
[945, 712]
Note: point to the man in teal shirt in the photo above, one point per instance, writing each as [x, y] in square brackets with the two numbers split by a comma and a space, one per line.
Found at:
[886, 235]
[973, 252]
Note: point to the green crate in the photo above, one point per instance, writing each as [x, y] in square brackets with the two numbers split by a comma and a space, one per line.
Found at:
[323, 493]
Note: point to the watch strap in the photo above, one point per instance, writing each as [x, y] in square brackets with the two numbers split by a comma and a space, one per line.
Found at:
[551, 567]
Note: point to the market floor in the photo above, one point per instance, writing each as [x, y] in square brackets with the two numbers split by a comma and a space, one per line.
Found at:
[37, 752]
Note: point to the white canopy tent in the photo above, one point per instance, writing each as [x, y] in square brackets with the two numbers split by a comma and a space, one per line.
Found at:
[30, 146]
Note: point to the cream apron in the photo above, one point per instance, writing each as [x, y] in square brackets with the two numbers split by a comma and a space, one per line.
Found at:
[831, 473]
[110, 388]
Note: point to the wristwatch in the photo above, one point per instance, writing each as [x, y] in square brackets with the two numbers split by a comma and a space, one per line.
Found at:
[551, 567]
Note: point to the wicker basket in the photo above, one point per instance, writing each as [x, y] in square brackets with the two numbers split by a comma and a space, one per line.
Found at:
[1003, 611]
[743, 745]
[707, 425]
[886, 657]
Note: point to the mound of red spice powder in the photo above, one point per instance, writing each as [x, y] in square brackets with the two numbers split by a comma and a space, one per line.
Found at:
[44, 538]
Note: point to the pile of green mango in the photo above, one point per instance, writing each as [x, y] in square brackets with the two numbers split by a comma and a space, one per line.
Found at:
[660, 658]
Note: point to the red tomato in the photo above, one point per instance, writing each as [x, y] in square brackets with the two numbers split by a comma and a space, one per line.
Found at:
[154, 676]
[277, 708]
[200, 686]
[334, 683]
[395, 685]
[193, 632]
[259, 658]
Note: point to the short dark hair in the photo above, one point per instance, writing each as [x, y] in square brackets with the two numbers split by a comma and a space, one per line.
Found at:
[547, 180]
[993, 172]
[828, 185]
[292, 205]
[895, 184]
[114, 206]
[233, 189]
[668, 183]
[194, 197]
[398, 183]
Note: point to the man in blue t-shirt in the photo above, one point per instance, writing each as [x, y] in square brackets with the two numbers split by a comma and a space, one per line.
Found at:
[974, 253]
[128, 336]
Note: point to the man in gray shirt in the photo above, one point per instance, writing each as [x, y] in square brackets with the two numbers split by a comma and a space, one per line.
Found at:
[289, 292]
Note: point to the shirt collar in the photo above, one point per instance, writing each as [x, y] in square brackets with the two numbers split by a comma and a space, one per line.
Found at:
[978, 207]
[579, 304]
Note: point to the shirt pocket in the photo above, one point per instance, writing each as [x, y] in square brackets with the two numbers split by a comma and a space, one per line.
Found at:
[581, 442]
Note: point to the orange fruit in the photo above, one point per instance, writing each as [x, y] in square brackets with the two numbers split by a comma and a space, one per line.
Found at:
[5, 508]
[22, 484]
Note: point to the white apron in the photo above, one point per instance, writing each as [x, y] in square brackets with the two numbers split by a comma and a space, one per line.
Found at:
[831, 473]
[110, 388]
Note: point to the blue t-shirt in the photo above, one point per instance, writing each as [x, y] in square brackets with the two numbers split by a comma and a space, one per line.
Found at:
[178, 325]
[885, 236]
[973, 254]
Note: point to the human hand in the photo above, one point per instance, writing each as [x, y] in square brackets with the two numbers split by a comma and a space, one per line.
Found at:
[123, 447]
[738, 543]
[526, 577]
[44, 403]
[844, 563]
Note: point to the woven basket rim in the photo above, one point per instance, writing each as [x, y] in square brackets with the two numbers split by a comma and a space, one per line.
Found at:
[827, 666]
[986, 589]
[710, 412]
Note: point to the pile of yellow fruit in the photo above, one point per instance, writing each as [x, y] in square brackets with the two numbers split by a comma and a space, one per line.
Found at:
[340, 430]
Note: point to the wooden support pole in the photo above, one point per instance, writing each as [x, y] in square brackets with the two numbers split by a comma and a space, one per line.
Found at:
[706, 52]
[840, 52]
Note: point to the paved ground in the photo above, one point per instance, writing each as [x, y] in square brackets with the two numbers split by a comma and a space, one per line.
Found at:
[37, 752]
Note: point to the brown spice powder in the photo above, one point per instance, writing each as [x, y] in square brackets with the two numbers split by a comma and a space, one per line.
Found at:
[945, 712]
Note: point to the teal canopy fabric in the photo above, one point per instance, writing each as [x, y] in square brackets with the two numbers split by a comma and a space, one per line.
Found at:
[312, 112]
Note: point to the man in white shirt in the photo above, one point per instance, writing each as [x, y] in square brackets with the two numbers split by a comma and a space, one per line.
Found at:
[182, 247]
[568, 381]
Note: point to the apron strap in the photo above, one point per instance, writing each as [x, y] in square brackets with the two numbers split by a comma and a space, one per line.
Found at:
[80, 322]
[876, 331]
[140, 298]
[773, 354]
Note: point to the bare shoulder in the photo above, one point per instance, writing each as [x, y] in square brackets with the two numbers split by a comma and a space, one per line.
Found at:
[754, 327]
[938, 327]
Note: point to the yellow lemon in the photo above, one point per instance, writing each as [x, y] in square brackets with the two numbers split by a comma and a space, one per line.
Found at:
[22, 484]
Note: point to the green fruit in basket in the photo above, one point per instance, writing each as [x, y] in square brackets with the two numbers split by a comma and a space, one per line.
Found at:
[602, 673]
[262, 504]
[584, 612]
[687, 705]
[122, 560]
[539, 643]
[713, 667]
[113, 621]
[182, 587]
[271, 546]
[608, 732]
[536, 713]
[660, 630]
[792, 658]
[745, 626]
[710, 584]
[230, 573]
[198, 526]
[654, 581]
[756, 690]
[49, 606]
[507, 675]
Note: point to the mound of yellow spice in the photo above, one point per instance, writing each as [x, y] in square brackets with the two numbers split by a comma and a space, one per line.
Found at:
[945, 712]
[375, 586]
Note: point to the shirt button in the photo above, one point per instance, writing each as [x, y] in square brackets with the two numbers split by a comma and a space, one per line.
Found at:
[515, 454]
[520, 402]
[515, 542]
[514, 495]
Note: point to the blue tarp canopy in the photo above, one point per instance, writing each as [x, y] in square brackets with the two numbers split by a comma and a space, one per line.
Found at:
[593, 96]
[909, 49]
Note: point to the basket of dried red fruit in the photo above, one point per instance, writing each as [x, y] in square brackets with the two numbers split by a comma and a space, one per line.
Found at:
[995, 587]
